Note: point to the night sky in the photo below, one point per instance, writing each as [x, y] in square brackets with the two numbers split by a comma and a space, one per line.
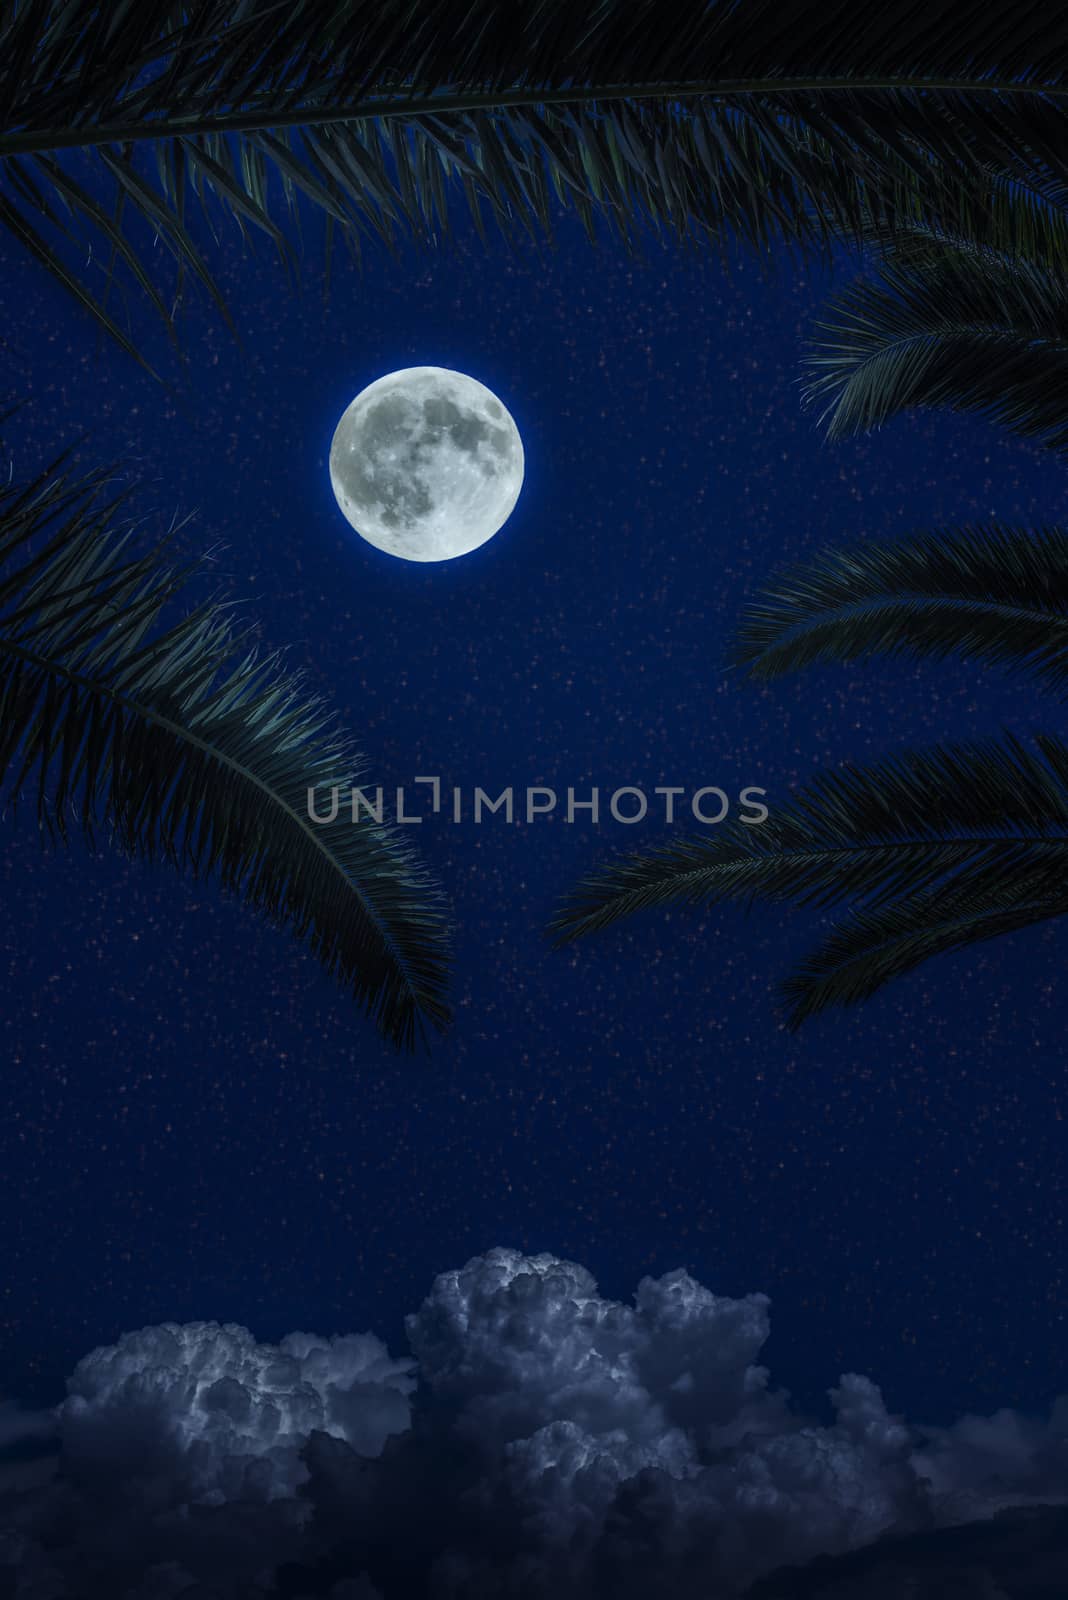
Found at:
[201, 1125]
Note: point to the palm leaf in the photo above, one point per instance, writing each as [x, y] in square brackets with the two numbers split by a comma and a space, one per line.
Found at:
[996, 594]
[193, 747]
[948, 322]
[755, 121]
[1014, 228]
[1013, 225]
[933, 845]
[870, 947]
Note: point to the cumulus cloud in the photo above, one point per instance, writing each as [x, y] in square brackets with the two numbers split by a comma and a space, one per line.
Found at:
[219, 1417]
[540, 1440]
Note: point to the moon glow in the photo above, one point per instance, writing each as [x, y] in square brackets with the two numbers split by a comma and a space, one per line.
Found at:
[426, 464]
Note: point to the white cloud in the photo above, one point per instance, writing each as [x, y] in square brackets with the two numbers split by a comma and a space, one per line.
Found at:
[223, 1417]
[561, 1444]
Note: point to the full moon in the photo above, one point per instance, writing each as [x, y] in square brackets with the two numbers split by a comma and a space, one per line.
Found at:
[426, 464]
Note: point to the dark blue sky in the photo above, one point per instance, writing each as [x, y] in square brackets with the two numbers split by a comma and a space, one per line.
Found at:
[199, 1124]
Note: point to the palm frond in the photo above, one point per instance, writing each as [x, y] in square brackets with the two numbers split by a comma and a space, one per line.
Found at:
[755, 121]
[993, 593]
[191, 746]
[868, 948]
[948, 322]
[960, 835]
[1014, 225]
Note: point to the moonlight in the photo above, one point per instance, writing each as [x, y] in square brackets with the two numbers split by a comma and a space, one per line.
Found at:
[426, 464]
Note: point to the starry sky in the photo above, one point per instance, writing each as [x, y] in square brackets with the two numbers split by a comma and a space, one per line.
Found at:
[199, 1124]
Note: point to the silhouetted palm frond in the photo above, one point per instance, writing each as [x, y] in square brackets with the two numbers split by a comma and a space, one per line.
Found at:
[190, 746]
[760, 119]
[1014, 226]
[939, 848]
[948, 322]
[997, 594]
[870, 947]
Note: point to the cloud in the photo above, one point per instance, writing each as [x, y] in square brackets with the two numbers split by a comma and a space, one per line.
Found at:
[18, 1426]
[217, 1417]
[540, 1441]
[1015, 1555]
[983, 1464]
[181, 1459]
